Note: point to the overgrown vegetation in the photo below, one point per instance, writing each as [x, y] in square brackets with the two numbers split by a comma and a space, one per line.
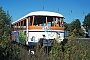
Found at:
[74, 49]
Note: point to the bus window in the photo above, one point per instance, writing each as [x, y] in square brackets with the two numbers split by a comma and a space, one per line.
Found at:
[49, 23]
[59, 22]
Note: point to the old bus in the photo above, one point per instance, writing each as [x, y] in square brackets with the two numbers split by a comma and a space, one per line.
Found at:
[36, 25]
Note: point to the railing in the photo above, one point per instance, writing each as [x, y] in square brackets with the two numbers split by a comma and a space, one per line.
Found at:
[41, 27]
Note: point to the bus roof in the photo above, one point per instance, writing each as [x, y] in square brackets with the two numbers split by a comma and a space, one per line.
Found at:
[40, 13]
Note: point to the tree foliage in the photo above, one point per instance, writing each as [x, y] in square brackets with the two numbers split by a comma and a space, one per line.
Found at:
[86, 22]
[5, 21]
[74, 26]
[8, 50]
[65, 26]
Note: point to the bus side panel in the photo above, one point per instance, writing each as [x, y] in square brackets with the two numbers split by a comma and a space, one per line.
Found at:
[22, 37]
[19, 36]
[34, 36]
[15, 36]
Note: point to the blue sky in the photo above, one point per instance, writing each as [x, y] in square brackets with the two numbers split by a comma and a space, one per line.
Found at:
[70, 9]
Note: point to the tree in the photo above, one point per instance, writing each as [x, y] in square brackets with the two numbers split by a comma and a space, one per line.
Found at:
[5, 21]
[8, 50]
[75, 25]
[86, 22]
[65, 26]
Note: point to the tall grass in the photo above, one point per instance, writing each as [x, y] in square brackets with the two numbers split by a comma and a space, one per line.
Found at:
[72, 50]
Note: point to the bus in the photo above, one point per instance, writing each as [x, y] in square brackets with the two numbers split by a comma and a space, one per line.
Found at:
[31, 28]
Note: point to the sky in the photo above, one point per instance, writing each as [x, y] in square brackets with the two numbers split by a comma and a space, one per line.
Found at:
[70, 9]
